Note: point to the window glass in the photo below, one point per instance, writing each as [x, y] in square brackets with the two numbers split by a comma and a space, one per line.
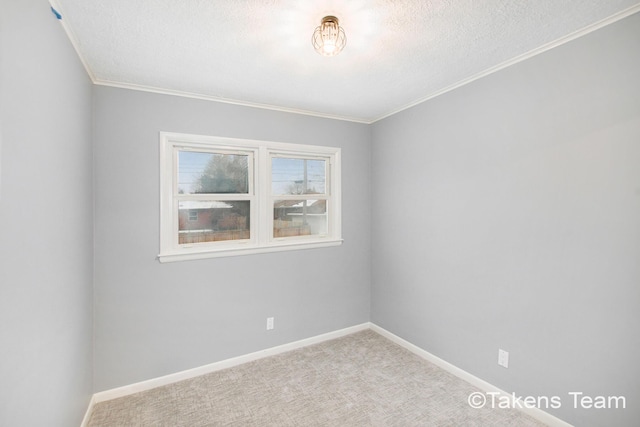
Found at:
[299, 218]
[212, 173]
[214, 221]
[298, 176]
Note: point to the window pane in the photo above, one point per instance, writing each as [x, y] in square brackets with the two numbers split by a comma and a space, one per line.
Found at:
[299, 218]
[207, 173]
[297, 176]
[205, 221]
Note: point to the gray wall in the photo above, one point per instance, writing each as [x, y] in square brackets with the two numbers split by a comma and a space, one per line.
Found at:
[507, 215]
[153, 319]
[45, 222]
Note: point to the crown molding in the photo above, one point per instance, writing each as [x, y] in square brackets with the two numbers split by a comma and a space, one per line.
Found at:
[73, 39]
[192, 95]
[558, 42]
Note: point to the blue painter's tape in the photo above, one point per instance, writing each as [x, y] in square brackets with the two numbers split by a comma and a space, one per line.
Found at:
[55, 12]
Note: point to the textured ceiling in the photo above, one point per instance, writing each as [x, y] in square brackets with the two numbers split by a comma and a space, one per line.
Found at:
[258, 52]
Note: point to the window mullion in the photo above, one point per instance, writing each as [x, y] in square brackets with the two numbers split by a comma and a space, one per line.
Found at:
[263, 195]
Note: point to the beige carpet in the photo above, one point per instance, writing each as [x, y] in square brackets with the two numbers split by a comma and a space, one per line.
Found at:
[361, 379]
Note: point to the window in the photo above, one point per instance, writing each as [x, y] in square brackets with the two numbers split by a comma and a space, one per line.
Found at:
[222, 197]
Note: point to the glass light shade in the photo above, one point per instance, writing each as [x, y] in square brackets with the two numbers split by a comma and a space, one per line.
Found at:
[329, 39]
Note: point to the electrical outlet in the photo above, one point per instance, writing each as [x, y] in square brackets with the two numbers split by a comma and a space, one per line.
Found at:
[503, 358]
[269, 323]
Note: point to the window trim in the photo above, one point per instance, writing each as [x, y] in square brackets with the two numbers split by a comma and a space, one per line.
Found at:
[262, 240]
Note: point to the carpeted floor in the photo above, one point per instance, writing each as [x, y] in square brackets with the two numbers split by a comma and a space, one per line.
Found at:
[361, 379]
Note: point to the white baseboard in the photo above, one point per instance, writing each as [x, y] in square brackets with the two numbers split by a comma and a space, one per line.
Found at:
[536, 413]
[87, 415]
[228, 363]
[223, 364]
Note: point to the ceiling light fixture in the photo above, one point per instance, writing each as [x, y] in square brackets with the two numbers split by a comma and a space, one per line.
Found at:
[329, 39]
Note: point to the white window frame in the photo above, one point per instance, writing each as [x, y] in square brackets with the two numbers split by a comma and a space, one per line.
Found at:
[261, 199]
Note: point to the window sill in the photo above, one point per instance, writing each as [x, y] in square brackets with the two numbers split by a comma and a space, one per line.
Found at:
[218, 253]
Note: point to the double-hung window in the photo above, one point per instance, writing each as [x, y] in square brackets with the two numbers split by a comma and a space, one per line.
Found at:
[223, 196]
